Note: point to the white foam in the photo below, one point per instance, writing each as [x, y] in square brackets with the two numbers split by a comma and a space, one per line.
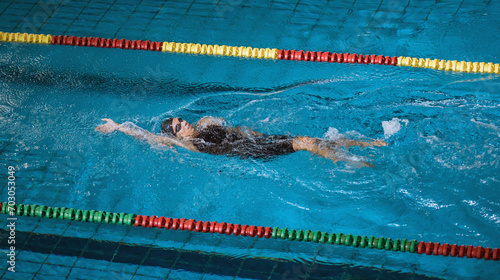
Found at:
[332, 134]
[393, 126]
[487, 125]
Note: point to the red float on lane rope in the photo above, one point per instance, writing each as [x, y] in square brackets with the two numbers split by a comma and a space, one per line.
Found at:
[336, 57]
[106, 43]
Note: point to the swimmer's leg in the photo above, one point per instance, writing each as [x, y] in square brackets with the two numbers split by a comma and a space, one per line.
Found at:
[360, 163]
[326, 149]
[350, 143]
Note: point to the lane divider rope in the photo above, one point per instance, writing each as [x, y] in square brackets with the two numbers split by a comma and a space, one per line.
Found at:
[261, 53]
[388, 244]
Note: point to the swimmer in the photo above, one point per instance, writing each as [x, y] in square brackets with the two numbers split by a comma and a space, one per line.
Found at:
[211, 135]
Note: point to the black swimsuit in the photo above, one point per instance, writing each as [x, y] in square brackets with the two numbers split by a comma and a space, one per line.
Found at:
[217, 140]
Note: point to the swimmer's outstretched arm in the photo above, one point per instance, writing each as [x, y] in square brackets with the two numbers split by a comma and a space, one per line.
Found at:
[140, 133]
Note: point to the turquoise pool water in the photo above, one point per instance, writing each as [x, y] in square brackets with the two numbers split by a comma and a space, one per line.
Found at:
[437, 181]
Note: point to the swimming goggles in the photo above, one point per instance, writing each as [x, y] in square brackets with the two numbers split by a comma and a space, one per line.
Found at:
[178, 126]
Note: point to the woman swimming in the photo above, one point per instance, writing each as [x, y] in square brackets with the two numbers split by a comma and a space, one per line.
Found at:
[211, 135]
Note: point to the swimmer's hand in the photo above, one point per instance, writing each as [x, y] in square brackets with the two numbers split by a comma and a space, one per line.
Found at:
[108, 127]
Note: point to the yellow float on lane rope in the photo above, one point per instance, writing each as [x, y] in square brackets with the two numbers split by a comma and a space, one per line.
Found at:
[25, 38]
[450, 65]
[220, 50]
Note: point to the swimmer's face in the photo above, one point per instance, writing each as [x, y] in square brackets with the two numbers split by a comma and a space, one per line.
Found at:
[182, 128]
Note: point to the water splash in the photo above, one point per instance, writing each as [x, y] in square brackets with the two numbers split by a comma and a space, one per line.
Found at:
[393, 126]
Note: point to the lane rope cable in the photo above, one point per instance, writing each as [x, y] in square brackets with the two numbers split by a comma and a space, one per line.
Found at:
[249, 52]
[371, 242]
